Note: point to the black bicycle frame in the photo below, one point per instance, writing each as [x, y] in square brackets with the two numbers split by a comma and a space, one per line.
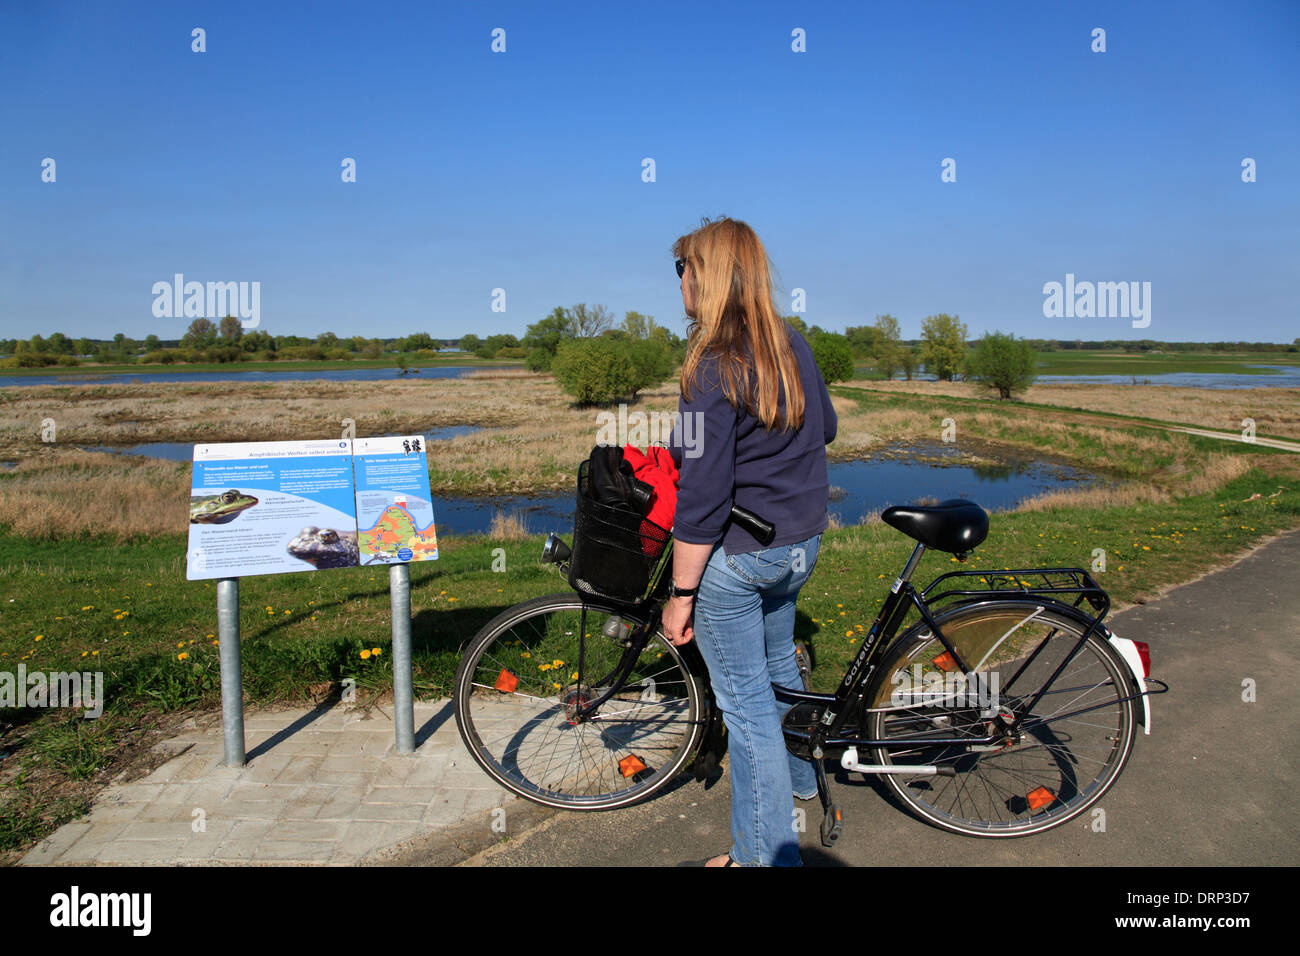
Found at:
[838, 709]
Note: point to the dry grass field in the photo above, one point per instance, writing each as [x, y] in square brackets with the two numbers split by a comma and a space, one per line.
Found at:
[532, 438]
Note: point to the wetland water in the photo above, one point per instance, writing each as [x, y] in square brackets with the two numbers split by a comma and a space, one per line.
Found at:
[895, 474]
[235, 374]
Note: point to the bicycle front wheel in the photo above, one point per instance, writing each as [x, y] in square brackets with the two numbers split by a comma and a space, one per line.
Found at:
[1065, 750]
[526, 674]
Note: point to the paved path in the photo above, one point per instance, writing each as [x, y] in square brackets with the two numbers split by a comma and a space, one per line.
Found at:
[321, 786]
[1214, 784]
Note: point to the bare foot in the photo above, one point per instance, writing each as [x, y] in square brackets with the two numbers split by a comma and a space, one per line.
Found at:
[724, 860]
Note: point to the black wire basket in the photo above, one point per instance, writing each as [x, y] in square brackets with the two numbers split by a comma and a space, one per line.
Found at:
[615, 550]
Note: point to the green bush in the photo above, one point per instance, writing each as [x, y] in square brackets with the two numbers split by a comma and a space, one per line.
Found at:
[1001, 363]
[834, 356]
[538, 360]
[652, 359]
[595, 371]
[511, 352]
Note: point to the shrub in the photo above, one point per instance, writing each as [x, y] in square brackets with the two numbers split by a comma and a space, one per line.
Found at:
[834, 356]
[538, 360]
[1000, 362]
[595, 371]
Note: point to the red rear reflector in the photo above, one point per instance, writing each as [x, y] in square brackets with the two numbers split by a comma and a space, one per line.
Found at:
[1039, 798]
[506, 681]
[630, 764]
[1144, 652]
[945, 662]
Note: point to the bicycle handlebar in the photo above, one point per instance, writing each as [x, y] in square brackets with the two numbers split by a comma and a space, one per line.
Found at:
[762, 530]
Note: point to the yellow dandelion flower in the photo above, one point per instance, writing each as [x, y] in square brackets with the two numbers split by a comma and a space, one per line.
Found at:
[376, 651]
[38, 637]
[365, 655]
[180, 643]
[525, 654]
[182, 656]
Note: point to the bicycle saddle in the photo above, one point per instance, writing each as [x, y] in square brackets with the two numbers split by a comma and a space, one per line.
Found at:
[954, 526]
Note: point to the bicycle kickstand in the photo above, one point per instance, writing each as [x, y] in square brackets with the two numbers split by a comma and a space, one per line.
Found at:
[832, 817]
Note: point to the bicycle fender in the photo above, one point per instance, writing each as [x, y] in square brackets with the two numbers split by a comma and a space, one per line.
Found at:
[1128, 651]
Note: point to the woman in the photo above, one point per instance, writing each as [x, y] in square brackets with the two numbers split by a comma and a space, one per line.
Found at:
[760, 417]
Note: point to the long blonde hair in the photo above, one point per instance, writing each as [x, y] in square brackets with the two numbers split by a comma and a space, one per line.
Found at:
[731, 279]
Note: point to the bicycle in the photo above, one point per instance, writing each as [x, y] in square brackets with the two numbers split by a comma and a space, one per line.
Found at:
[1004, 711]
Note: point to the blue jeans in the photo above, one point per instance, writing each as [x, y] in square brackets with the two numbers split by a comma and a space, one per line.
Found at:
[744, 626]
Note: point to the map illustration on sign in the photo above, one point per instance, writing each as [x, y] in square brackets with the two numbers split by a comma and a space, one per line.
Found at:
[394, 505]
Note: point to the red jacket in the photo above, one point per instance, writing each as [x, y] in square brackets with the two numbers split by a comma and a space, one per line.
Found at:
[656, 467]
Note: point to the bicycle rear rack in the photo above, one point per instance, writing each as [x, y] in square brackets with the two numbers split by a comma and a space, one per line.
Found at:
[1051, 583]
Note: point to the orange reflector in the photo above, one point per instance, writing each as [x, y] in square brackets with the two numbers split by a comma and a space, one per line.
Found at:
[630, 764]
[506, 681]
[1039, 798]
[945, 662]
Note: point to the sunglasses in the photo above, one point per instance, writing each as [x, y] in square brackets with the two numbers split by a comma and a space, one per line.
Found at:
[681, 267]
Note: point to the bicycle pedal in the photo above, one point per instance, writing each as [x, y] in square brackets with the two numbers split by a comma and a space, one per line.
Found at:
[832, 825]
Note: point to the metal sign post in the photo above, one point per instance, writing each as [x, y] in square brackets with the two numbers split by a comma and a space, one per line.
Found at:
[232, 673]
[399, 589]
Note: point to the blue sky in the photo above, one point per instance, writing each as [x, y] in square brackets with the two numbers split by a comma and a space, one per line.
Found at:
[522, 170]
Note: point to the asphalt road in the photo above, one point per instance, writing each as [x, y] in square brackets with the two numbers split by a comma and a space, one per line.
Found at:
[1214, 784]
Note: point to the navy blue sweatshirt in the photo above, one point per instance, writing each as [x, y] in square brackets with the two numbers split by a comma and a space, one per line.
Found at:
[780, 476]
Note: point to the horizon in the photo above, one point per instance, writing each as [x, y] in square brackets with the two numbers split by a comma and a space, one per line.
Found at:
[1168, 161]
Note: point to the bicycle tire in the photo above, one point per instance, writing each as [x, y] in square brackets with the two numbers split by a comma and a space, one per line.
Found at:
[1061, 765]
[523, 737]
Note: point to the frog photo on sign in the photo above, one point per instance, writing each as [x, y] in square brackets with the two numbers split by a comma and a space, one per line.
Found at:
[325, 548]
[219, 509]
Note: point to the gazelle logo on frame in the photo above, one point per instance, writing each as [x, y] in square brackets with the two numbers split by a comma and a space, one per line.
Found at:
[922, 688]
[1098, 300]
[179, 299]
[56, 689]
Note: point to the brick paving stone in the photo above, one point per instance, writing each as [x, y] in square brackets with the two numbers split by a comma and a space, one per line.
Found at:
[293, 851]
[56, 844]
[140, 851]
[390, 812]
[301, 769]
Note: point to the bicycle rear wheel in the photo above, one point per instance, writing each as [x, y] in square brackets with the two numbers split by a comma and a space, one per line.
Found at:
[1066, 751]
[526, 672]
